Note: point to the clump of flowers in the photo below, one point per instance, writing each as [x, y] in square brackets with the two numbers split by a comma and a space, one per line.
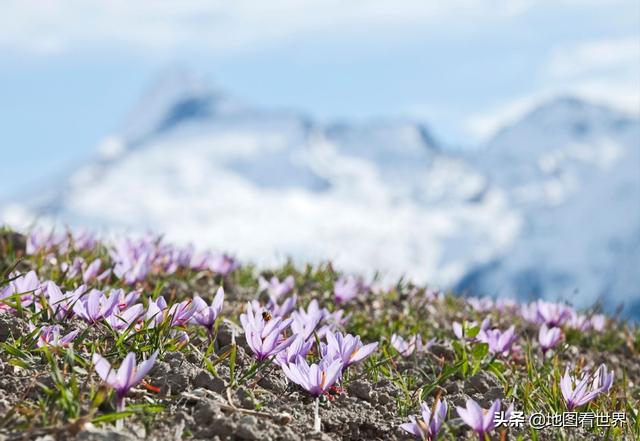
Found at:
[206, 315]
[123, 379]
[482, 421]
[95, 306]
[481, 304]
[51, 335]
[316, 378]
[276, 288]
[552, 314]
[406, 348]
[578, 392]
[347, 348]
[428, 427]
[264, 333]
[348, 288]
[21, 291]
[548, 338]
[500, 342]
[462, 330]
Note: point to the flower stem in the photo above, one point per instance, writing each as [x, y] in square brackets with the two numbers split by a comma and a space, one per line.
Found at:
[316, 417]
[119, 408]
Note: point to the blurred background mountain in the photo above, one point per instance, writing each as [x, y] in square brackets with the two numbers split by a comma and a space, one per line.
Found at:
[494, 153]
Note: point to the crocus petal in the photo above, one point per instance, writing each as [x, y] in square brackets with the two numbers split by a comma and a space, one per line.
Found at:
[488, 420]
[144, 368]
[126, 372]
[411, 427]
[104, 370]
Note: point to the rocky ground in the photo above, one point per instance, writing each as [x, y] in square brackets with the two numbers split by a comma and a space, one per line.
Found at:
[210, 389]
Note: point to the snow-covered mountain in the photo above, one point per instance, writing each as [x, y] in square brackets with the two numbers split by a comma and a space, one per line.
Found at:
[549, 206]
[572, 169]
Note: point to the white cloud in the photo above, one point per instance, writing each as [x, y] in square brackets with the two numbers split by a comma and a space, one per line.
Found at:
[482, 126]
[604, 71]
[595, 57]
[58, 25]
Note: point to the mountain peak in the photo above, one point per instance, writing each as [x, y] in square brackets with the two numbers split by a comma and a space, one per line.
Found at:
[176, 96]
[566, 117]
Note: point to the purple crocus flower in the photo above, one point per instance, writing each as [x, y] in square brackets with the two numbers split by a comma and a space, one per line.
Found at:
[275, 288]
[264, 333]
[315, 379]
[299, 347]
[92, 272]
[123, 319]
[95, 306]
[529, 312]
[603, 379]
[548, 338]
[155, 311]
[25, 287]
[480, 420]
[40, 240]
[205, 315]
[306, 321]
[125, 300]
[280, 310]
[499, 342]
[199, 261]
[505, 305]
[598, 322]
[26, 283]
[52, 336]
[577, 393]
[223, 264]
[348, 288]
[61, 305]
[460, 329]
[332, 321]
[180, 337]
[481, 304]
[84, 240]
[74, 269]
[124, 378]
[553, 314]
[180, 313]
[347, 348]
[406, 348]
[428, 427]
[579, 322]
[133, 260]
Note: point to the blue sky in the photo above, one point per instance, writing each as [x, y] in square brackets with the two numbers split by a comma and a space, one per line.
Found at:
[70, 71]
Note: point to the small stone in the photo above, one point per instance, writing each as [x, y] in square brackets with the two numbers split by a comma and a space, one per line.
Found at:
[226, 330]
[205, 412]
[247, 428]
[444, 351]
[458, 399]
[206, 380]
[272, 382]
[360, 389]
[11, 326]
[222, 427]
[245, 398]
[477, 383]
[286, 434]
[453, 387]
[481, 382]
[494, 393]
